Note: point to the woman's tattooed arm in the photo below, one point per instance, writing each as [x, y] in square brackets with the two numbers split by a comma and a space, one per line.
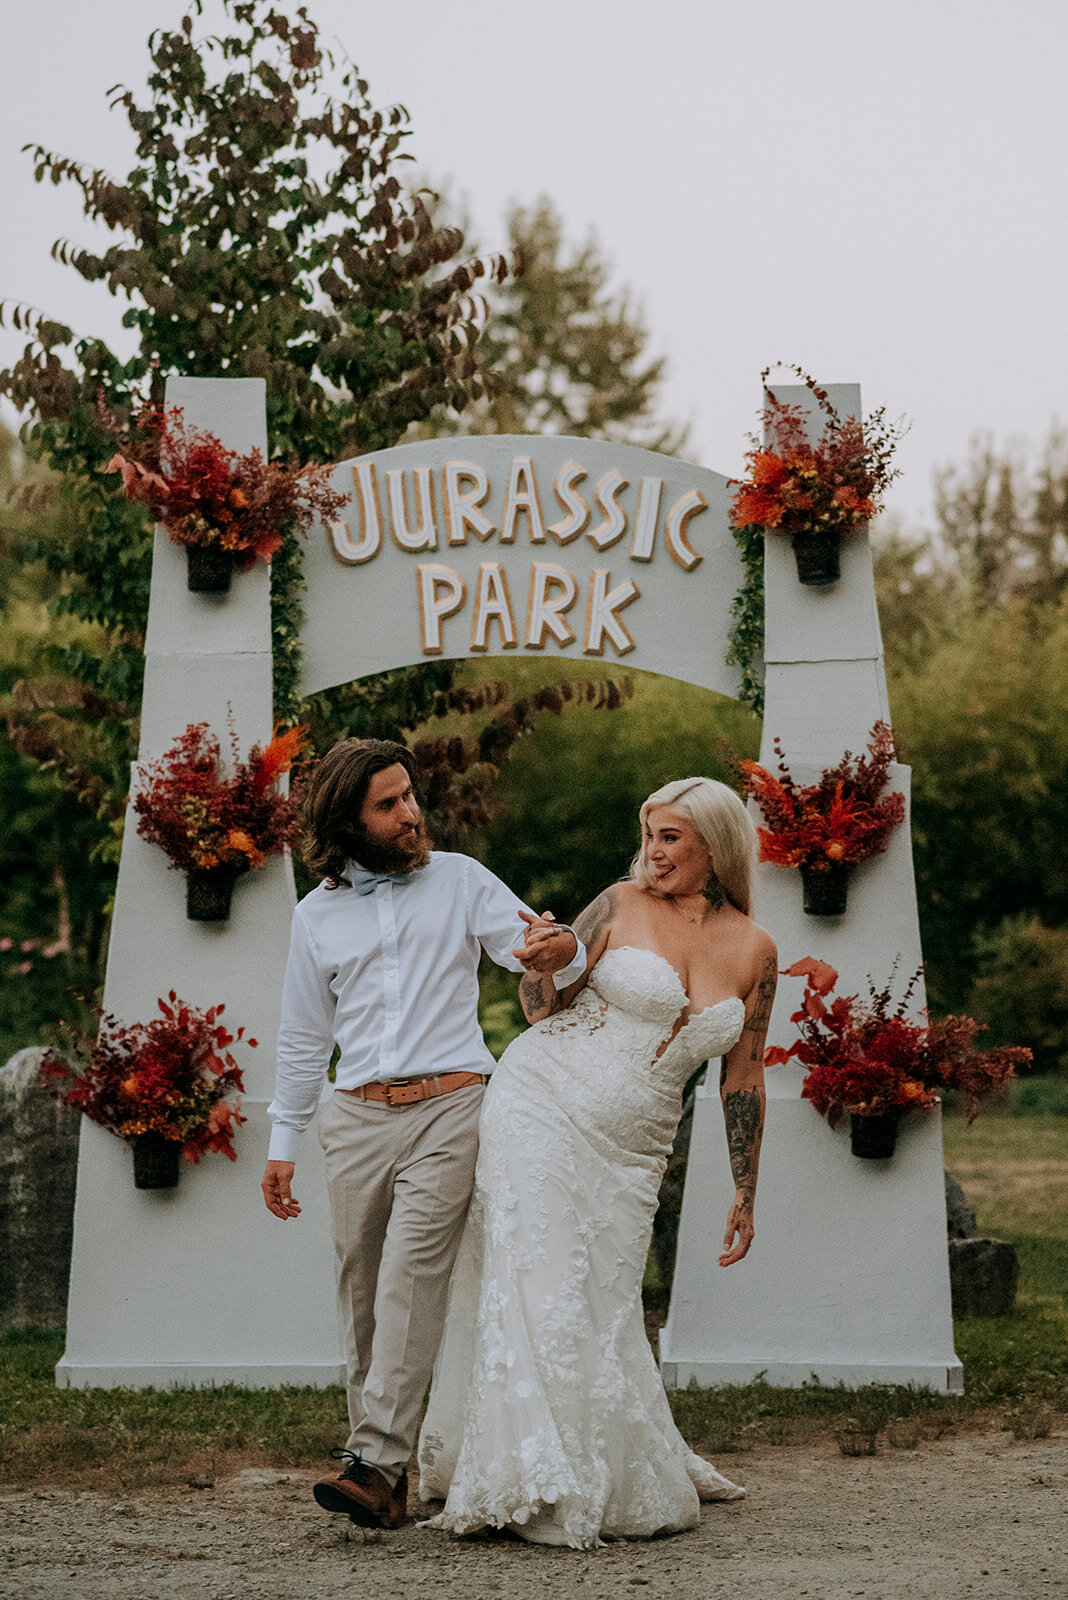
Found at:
[743, 1113]
[538, 995]
[742, 1094]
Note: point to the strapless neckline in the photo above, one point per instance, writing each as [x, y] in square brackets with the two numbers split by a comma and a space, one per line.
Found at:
[695, 1016]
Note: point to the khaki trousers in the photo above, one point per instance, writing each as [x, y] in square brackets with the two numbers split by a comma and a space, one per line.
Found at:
[400, 1182]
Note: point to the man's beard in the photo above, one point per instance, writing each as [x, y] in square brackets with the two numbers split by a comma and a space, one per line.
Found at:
[398, 858]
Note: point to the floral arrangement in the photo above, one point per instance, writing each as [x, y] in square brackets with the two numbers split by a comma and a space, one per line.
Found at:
[207, 495]
[801, 489]
[204, 820]
[869, 1060]
[173, 1077]
[840, 819]
[813, 493]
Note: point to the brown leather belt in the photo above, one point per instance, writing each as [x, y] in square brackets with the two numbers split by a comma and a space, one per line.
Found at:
[409, 1091]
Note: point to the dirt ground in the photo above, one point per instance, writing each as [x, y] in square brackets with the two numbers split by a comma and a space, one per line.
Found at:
[976, 1515]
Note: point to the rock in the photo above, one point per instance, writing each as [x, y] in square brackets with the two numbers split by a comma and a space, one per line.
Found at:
[38, 1164]
[960, 1218]
[983, 1274]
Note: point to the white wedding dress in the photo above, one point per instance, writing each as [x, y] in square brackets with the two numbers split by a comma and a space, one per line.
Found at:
[547, 1413]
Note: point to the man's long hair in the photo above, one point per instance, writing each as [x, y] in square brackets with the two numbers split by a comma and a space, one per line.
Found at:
[330, 815]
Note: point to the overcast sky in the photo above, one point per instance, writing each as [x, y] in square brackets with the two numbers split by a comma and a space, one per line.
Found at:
[874, 190]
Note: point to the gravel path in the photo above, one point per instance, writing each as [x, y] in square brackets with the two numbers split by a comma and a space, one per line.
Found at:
[975, 1515]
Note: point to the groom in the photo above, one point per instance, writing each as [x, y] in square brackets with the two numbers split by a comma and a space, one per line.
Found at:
[382, 964]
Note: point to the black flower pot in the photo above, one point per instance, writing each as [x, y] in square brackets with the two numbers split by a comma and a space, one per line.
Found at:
[817, 557]
[825, 889]
[209, 892]
[156, 1161]
[873, 1138]
[210, 568]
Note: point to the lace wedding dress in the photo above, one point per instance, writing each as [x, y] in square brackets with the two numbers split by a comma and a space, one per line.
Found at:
[547, 1413]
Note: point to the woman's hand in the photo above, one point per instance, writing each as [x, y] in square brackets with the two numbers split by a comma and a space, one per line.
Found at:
[740, 1227]
[548, 946]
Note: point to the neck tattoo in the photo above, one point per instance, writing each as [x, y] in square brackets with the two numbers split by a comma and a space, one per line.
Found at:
[713, 893]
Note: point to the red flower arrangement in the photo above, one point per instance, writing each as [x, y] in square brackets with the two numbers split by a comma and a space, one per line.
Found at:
[206, 495]
[204, 820]
[833, 823]
[174, 1078]
[871, 1061]
[801, 489]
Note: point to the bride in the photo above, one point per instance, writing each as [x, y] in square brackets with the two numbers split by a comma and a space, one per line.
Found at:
[547, 1414]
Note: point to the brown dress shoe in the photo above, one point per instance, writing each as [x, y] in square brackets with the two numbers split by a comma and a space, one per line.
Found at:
[364, 1493]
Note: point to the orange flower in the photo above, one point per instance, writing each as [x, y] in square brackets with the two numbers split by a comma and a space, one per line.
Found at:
[756, 507]
[848, 498]
[802, 462]
[769, 471]
[279, 756]
[237, 839]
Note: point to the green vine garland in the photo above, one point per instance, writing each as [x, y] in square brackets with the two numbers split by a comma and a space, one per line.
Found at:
[287, 616]
[746, 647]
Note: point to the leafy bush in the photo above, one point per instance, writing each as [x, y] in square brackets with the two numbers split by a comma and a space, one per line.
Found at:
[1021, 990]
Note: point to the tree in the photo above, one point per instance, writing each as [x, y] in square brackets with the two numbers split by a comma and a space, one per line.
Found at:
[264, 232]
[1004, 525]
[238, 258]
[976, 634]
[566, 353]
[982, 724]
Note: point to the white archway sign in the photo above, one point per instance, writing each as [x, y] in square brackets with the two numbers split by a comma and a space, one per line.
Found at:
[508, 546]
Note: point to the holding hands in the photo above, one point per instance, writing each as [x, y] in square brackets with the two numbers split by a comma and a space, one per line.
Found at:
[548, 946]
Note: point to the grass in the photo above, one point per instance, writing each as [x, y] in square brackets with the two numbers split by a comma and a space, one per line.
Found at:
[1014, 1170]
[127, 1438]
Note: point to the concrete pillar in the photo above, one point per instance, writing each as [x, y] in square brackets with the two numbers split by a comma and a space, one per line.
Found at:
[848, 1277]
[201, 1284]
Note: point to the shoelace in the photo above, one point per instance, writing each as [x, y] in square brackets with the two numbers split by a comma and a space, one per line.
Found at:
[356, 1471]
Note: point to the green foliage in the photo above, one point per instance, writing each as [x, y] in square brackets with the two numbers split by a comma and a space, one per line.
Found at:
[566, 821]
[51, 920]
[567, 354]
[264, 232]
[920, 603]
[984, 730]
[976, 635]
[746, 648]
[1004, 523]
[1021, 988]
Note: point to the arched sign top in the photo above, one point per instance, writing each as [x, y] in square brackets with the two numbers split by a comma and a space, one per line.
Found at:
[522, 545]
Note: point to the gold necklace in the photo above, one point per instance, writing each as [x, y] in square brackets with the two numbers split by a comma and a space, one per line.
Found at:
[693, 922]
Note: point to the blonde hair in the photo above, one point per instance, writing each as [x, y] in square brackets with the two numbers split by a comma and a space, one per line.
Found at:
[724, 826]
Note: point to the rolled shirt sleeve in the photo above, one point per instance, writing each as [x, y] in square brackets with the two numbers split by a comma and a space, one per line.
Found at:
[493, 917]
[391, 978]
[305, 1042]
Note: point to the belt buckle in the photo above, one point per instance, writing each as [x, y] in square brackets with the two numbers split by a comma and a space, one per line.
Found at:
[403, 1088]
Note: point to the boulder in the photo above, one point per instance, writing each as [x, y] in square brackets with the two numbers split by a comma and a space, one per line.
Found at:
[983, 1274]
[960, 1218]
[38, 1164]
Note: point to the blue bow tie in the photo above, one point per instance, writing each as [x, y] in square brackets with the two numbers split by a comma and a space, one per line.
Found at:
[365, 882]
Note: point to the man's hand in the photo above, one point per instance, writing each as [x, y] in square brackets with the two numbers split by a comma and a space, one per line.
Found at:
[548, 948]
[276, 1190]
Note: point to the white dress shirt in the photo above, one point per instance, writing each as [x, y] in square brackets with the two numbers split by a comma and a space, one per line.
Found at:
[391, 977]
